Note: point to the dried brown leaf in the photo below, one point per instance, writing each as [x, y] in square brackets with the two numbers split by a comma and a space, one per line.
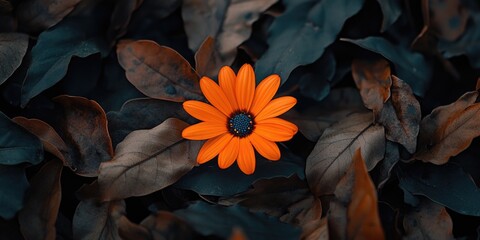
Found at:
[429, 220]
[147, 161]
[13, 46]
[332, 155]
[373, 80]
[38, 217]
[207, 59]
[83, 127]
[158, 71]
[449, 130]
[401, 115]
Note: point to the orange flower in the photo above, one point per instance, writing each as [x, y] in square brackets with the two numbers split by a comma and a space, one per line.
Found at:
[241, 116]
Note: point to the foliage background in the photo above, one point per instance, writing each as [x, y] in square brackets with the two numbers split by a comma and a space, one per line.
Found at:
[91, 116]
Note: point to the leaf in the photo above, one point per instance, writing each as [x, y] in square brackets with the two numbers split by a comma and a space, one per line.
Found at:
[158, 71]
[120, 18]
[228, 22]
[310, 219]
[401, 115]
[13, 46]
[39, 215]
[448, 19]
[447, 184]
[13, 185]
[300, 35]
[373, 80]
[51, 141]
[314, 82]
[382, 171]
[17, 145]
[428, 221]
[166, 224]
[142, 113]
[210, 219]
[449, 130]
[313, 120]
[391, 10]
[84, 129]
[410, 66]
[332, 155]
[147, 161]
[231, 181]
[357, 192]
[74, 36]
[207, 59]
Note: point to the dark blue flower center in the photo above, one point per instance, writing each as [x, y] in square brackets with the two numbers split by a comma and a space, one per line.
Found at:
[240, 124]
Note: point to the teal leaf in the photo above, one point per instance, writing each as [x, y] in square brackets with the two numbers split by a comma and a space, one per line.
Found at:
[79, 36]
[218, 220]
[445, 184]
[391, 10]
[301, 34]
[17, 145]
[315, 82]
[209, 179]
[13, 185]
[409, 66]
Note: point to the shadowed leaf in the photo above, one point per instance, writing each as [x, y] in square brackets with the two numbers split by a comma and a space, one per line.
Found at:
[332, 155]
[13, 185]
[391, 10]
[228, 22]
[410, 66]
[13, 46]
[207, 59]
[147, 161]
[401, 115]
[429, 220]
[120, 18]
[314, 81]
[17, 145]
[51, 141]
[307, 214]
[210, 219]
[374, 81]
[38, 15]
[449, 130]
[83, 126]
[39, 215]
[166, 225]
[158, 71]
[392, 156]
[300, 35]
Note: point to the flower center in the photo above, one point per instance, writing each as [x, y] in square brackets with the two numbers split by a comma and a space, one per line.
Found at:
[240, 124]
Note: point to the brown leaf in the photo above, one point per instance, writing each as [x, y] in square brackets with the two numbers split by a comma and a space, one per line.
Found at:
[51, 141]
[120, 18]
[158, 71]
[38, 217]
[13, 46]
[357, 193]
[373, 80]
[429, 220]
[147, 161]
[332, 155]
[449, 130]
[207, 59]
[228, 22]
[307, 213]
[448, 18]
[38, 15]
[83, 127]
[237, 234]
[401, 115]
[166, 225]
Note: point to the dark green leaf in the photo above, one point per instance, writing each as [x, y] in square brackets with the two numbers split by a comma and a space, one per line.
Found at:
[13, 185]
[17, 145]
[209, 179]
[302, 33]
[217, 220]
[409, 66]
[446, 184]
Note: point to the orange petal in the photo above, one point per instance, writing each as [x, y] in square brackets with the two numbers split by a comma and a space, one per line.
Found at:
[246, 156]
[274, 132]
[212, 147]
[204, 130]
[276, 107]
[264, 93]
[245, 87]
[279, 121]
[266, 148]
[215, 95]
[204, 112]
[227, 157]
[227, 79]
